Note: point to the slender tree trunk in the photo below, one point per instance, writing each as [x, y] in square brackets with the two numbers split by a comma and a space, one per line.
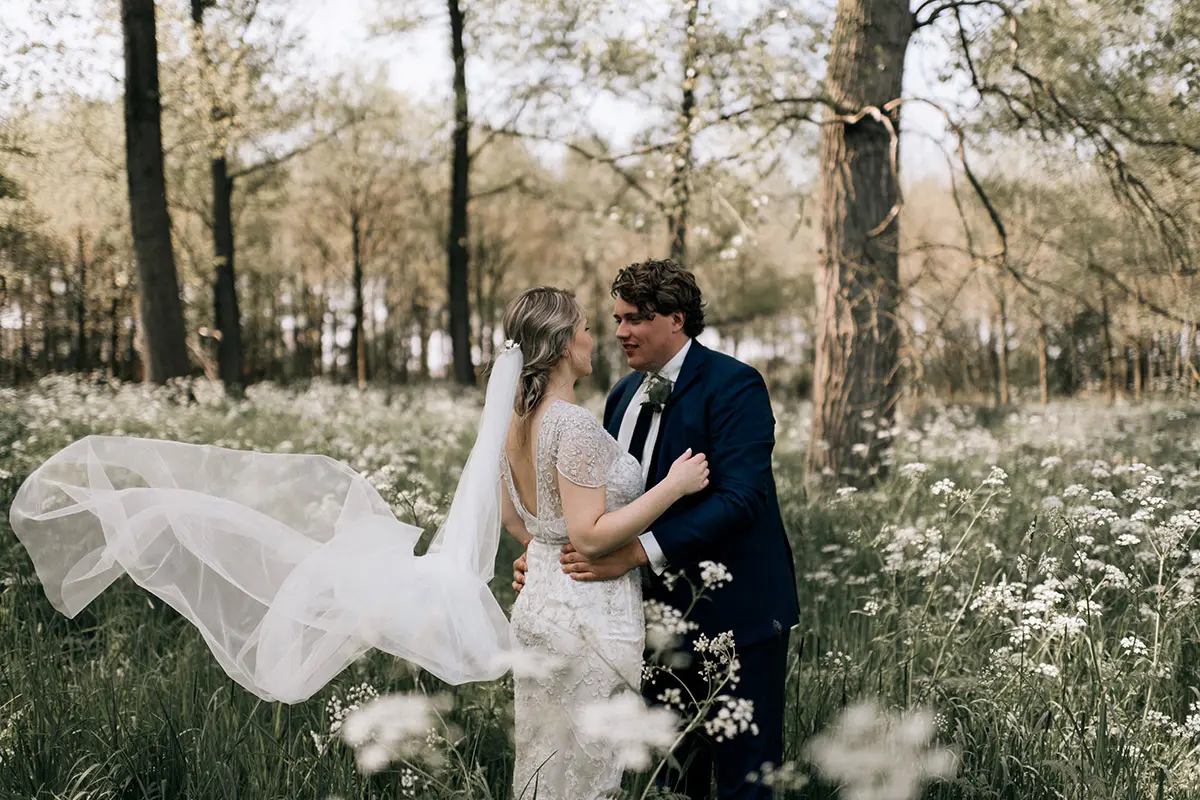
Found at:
[1043, 377]
[81, 341]
[1137, 370]
[1002, 343]
[113, 334]
[456, 245]
[855, 382]
[26, 347]
[1109, 378]
[49, 328]
[160, 307]
[227, 316]
[478, 264]
[424, 334]
[358, 345]
[601, 368]
[681, 174]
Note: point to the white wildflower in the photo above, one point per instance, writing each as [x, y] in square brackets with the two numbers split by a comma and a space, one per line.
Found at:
[639, 733]
[714, 575]
[875, 755]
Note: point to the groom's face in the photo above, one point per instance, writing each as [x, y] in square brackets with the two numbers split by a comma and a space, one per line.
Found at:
[649, 340]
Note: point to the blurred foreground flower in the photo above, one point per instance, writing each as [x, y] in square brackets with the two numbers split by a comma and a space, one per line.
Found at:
[878, 755]
[395, 727]
[639, 733]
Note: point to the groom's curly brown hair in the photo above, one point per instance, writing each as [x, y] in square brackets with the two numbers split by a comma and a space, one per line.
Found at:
[662, 286]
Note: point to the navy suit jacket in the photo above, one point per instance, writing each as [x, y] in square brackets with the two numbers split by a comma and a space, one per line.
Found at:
[720, 407]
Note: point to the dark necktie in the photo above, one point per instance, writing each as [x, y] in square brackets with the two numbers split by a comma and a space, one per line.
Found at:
[637, 444]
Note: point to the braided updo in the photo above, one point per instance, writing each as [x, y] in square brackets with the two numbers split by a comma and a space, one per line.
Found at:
[543, 322]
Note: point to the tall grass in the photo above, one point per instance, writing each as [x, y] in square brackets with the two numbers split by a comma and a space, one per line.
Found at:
[1043, 605]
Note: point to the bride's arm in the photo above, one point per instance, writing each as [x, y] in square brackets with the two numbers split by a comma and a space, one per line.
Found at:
[511, 520]
[595, 533]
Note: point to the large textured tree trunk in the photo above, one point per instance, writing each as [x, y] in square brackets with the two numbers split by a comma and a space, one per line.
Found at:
[160, 308]
[857, 348]
[681, 174]
[456, 245]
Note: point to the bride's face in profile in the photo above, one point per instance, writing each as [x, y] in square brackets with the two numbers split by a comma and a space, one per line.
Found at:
[579, 352]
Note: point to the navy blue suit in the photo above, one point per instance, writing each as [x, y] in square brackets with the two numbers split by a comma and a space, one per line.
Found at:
[720, 407]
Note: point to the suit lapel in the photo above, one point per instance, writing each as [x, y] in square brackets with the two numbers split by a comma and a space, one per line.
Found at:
[693, 365]
[614, 424]
[693, 368]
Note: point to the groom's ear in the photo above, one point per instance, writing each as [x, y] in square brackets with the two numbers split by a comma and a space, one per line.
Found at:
[677, 321]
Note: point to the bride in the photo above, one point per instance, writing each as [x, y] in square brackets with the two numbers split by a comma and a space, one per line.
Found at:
[568, 480]
[291, 566]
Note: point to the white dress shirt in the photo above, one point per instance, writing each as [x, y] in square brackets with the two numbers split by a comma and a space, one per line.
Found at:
[658, 561]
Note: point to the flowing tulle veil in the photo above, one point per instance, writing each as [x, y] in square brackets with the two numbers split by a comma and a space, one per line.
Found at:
[290, 565]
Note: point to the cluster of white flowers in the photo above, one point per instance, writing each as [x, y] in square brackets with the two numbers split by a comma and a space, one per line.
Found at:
[914, 470]
[639, 733]
[1134, 645]
[714, 575]
[944, 486]
[719, 661]
[733, 715]
[665, 625]
[876, 755]
[672, 697]
[785, 778]
[337, 710]
[395, 727]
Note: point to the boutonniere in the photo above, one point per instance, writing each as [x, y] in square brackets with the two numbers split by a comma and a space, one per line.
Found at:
[658, 391]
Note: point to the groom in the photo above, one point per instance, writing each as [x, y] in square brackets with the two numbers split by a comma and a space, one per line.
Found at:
[682, 395]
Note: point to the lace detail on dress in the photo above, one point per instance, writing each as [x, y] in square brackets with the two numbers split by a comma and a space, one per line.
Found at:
[584, 451]
[587, 637]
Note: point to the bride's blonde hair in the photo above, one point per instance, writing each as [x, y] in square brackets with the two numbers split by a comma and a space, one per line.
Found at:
[543, 322]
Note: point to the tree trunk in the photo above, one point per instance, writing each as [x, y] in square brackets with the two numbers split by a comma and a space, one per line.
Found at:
[81, 342]
[601, 368]
[227, 316]
[358, 344]
[456, 245]
[1137, 370]
[681, 175]
[855, 381]
[113, 337]
[1110, 383]
[421, 312]
[160, 307]
[1043, 377]
[1002, 343]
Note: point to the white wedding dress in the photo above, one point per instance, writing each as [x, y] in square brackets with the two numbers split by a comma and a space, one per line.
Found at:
[291, 566]
[587, 636]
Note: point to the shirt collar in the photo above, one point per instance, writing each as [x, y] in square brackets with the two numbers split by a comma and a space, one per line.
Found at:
[675, 365]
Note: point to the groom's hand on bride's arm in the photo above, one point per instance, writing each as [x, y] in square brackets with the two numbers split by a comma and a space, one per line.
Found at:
[606, 568]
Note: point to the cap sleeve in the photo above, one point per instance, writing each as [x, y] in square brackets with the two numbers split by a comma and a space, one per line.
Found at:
[585, 451]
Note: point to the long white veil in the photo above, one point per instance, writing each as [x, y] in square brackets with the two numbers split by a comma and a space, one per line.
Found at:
[290, 565]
